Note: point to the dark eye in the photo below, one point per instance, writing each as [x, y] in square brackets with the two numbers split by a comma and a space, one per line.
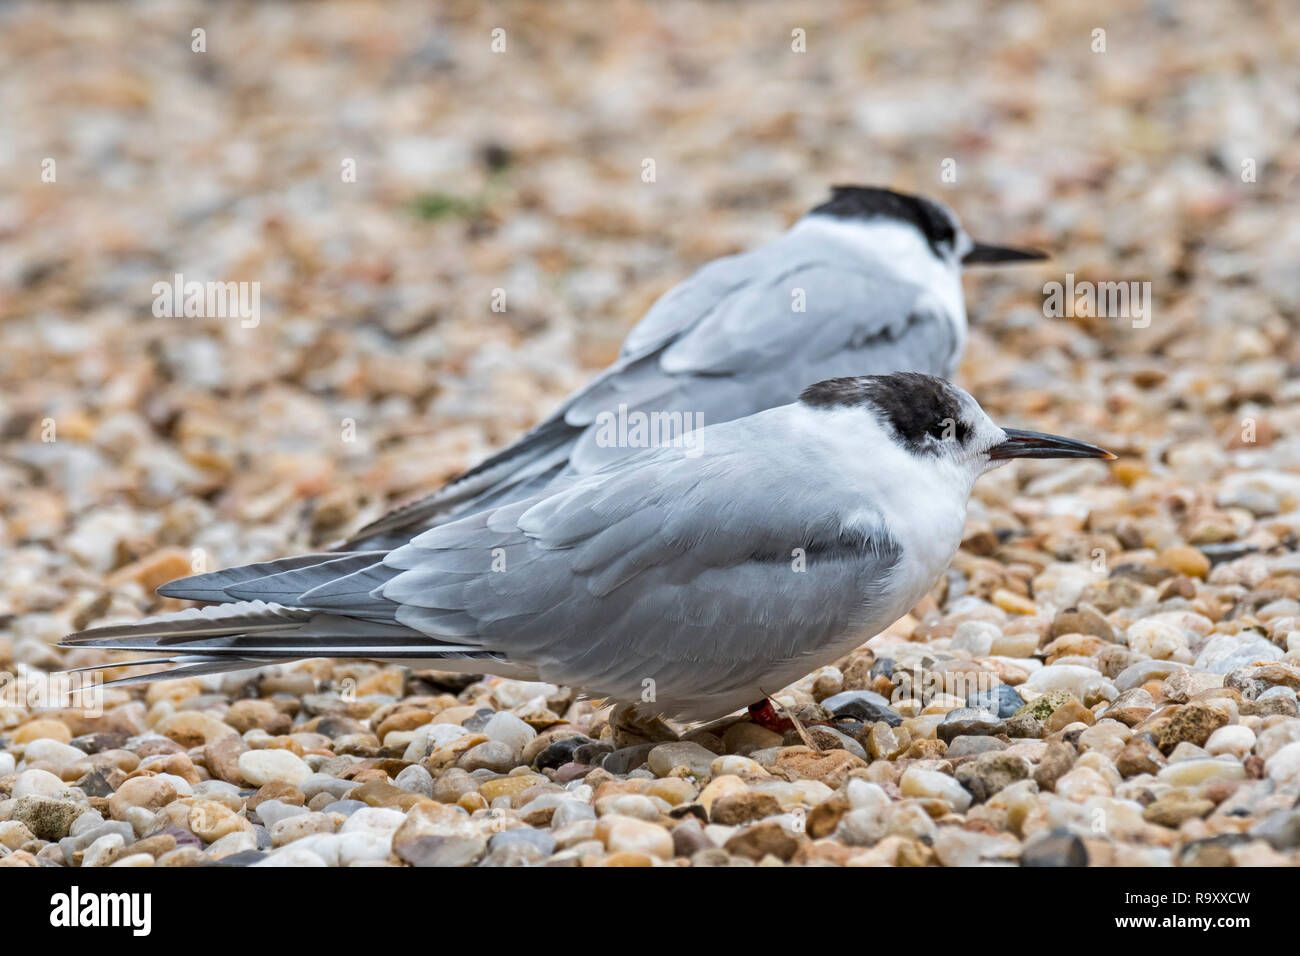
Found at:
[946, 430]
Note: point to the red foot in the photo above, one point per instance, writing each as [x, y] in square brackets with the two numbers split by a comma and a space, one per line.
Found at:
[765, 715]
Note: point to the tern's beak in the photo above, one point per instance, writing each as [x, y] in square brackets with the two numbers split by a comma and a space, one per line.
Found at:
[1023, 444]
[986, 254]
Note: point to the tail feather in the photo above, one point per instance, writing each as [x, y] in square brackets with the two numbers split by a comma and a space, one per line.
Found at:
[250, 618]
[355, 593]
[288, 586]
[212, 585]
[252, 634]
[197, 668]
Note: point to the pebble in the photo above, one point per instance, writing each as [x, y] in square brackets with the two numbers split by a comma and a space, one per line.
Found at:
[1082, 682]
[694, 759]
[1284, 766]
[630, 835]
[144, 793]
[1174, 809]
[1057, 848]
[931, 784]
[506, 728]
[1200, 770]
[1001, 700]
[540, 840]
[415, 779]
[973, 746]
[1234, 740]
[954, 846]
[260, 767]
[967, 721]
[210, 821]
[864, 705]
[491, 755]
[47, 817]
[193, 728]
[763, 841]
[989, 773]
[1193, 723]
[272, 812]
[288, 829]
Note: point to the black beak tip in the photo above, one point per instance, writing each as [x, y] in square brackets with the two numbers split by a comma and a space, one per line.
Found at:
[985, 254]
[1027, 444]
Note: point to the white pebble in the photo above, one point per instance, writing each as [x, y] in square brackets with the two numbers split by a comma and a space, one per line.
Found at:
[513, 693]
[864, 795]
[364, 846]
[504, 727]
[292, 855]
[1276, 737]
[430, 737]
[1083, 682]
[415, 779]
[571, 811]
[1198, 771]
[87, 821]
[1233, 739]
[37, 782]
[1284, 766]
[231, 843]
[97, 853]
[52, 752]
[1156, 639]
[260, 767]
[273, 811]
[975, 637]
[932, 783]
[380, 820]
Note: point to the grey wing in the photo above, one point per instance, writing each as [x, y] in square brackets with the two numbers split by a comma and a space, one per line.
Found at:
[727, 343]
[667, 570]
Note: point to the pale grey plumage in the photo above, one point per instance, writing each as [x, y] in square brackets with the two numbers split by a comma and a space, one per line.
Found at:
[693, 579]
[659, 568]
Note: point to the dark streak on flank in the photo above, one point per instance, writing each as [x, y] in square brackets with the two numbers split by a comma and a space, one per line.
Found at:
[867, 202]
[832, 542]
[913, 404]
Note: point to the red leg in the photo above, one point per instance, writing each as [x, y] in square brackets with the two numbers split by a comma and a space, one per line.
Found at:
[765, 715]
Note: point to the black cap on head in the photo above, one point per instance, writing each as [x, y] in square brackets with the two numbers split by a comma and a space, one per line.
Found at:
[868, 202]
[911, 403]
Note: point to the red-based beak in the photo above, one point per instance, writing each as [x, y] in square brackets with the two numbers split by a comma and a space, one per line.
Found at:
[1025, 444]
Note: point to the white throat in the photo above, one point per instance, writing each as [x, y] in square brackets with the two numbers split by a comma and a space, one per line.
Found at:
[901, 249]
[922, 501]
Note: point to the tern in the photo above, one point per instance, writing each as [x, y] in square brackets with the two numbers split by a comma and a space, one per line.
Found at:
[676, 584]
[867, 282]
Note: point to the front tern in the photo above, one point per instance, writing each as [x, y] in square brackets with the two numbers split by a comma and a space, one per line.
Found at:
[867, 282]
[709, 580]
